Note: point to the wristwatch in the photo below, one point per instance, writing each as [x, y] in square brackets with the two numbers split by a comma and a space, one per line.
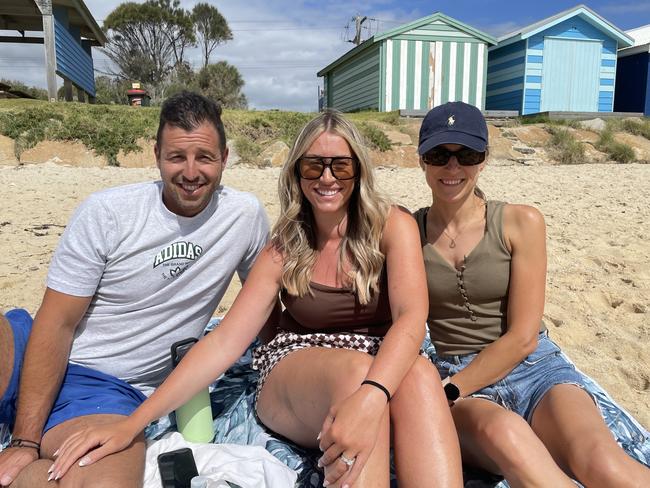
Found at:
[452, 392]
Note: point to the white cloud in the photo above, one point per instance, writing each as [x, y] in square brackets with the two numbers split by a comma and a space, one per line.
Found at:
[278, 45]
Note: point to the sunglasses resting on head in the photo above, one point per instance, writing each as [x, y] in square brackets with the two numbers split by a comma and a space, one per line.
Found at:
[439, 156]
[341, 167]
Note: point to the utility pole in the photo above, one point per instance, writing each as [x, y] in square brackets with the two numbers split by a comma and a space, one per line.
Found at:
[358, 20]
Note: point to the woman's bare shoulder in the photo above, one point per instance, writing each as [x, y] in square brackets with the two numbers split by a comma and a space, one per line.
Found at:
[523, 224]
[522, 217]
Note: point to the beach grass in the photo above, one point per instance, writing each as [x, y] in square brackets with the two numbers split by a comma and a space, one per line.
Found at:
[617, 151]
[563, 146]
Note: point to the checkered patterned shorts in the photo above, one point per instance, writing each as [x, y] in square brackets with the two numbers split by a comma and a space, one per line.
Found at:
[266, 357]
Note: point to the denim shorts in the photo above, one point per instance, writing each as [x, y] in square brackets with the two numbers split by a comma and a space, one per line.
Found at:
[84, 391]
[524, 387]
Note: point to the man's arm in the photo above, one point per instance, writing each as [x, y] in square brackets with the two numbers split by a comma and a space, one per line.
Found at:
[46, 359]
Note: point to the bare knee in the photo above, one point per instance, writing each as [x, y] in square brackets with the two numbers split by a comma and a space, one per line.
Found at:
[32, 475]
[596, 463]
[122, 470]
[112, 482]
[76, 478]
[420, 382]
[503, 435]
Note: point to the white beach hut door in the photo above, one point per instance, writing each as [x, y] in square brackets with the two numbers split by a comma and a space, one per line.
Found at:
[571, 75]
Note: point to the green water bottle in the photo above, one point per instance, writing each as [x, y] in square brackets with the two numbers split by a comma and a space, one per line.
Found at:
[194, 419]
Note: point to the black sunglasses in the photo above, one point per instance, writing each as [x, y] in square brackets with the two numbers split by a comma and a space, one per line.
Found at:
[341, 167]
[439, 156]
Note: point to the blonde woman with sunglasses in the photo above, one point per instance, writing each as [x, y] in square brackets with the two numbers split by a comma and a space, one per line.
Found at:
[343, 373]
[519, 406]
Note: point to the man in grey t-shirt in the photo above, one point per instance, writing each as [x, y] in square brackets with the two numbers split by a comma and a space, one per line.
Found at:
[138, 268]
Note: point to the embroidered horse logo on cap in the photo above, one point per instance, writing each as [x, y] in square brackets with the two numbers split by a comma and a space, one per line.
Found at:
[451, 121]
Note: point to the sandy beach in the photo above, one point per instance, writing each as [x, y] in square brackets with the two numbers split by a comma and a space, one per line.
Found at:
[597, 215]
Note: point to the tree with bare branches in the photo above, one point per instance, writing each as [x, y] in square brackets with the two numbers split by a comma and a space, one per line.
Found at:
[211, 27]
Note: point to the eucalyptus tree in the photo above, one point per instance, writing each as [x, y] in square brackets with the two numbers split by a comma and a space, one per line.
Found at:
[211, 29]
[146, 40]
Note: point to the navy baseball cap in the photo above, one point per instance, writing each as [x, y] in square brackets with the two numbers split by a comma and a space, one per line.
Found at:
[453, 123]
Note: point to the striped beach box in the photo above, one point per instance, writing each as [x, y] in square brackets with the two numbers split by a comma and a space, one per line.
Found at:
[416, 66]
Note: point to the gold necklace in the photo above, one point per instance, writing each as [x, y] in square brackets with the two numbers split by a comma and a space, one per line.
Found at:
[452, 240]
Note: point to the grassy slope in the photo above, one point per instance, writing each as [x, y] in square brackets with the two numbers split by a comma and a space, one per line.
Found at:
[109, 128]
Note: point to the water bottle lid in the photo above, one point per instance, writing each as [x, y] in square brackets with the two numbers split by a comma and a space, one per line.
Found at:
[199, 482]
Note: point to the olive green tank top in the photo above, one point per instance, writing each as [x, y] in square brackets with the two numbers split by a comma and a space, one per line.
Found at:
[468, 307]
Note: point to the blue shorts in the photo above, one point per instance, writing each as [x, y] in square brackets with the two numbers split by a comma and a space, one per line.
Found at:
[84, 391]
[524, 387]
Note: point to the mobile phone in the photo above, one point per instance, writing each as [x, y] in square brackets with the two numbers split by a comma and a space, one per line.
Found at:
[181, 348]
[177, 468]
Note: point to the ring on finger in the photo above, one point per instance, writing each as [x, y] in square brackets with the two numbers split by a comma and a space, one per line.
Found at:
[347, 461]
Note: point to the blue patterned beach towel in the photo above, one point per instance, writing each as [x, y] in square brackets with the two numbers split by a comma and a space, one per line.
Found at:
[235, 422]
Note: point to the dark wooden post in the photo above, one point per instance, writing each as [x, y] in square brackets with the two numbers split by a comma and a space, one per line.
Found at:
[67, 88]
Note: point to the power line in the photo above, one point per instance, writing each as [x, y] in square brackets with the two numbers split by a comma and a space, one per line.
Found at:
[108, 65]
[288, 29]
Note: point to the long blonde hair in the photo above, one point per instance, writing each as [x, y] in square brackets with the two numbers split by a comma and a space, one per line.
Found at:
[294, 233]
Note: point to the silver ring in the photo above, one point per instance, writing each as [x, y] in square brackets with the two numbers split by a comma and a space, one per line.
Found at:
[346, 461]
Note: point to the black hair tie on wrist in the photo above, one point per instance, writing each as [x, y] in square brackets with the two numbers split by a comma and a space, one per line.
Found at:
[378, 385]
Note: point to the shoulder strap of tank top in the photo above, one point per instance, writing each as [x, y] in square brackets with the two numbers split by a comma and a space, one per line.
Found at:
[494, 219]
[421, 218]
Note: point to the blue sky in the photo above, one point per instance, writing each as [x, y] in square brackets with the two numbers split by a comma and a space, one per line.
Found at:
[279, 45]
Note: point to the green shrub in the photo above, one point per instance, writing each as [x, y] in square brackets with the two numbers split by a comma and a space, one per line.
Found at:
[389, 117]
[375, 137]
[265, 126]
[289, 124]
[534, 119]
[617, 151]
[640, 128]
[105, 129]
[543, 119]
[247, 149]
[564, 147]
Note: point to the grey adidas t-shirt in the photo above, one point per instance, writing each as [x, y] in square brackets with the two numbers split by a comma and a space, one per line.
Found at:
[155, 277]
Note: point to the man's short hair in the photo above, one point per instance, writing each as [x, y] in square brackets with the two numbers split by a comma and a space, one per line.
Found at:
[187, 110]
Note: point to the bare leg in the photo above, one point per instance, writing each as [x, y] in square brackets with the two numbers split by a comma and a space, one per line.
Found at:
[500, 441]
[424, 439]
[6, 354]
[569, 424]
[122, 470]
[299, 392]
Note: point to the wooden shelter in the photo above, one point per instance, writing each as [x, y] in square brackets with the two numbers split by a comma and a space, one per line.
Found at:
[69, 32]
[416, 66]
[633, 74]
[565, 63]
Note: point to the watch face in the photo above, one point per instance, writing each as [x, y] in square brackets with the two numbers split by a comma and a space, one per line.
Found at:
[452, 392]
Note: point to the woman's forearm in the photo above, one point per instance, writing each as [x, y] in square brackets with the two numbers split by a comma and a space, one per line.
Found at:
[494, 362]
[397, 352]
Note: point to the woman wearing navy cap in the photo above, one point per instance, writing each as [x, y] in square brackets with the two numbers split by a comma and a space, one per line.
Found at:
[519, 406]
